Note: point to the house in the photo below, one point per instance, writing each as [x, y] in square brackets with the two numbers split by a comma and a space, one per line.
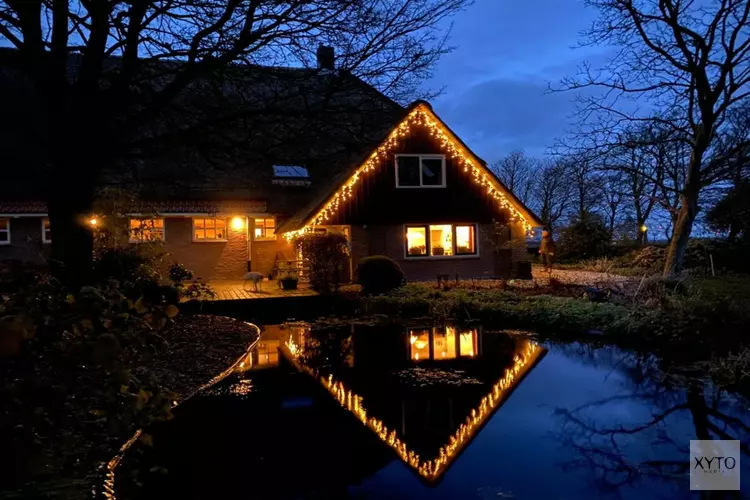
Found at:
[333, 154]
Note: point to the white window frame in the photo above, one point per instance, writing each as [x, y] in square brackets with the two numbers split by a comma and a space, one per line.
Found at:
[6, 230]
[421, 180]
[210, 240]
[264, 238]
[143, 240]
[429, 243]
[44, 232]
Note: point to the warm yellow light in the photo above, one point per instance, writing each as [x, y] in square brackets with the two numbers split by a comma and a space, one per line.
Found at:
[420, 116]
[93, 221]
[238, 223]
[644, 228]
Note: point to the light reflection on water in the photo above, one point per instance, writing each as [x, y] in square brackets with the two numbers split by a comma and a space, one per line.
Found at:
[582, 422]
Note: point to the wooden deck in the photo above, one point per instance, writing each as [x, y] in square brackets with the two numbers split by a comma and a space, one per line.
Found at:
[243, 290]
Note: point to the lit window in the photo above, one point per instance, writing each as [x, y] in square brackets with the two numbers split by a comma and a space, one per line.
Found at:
[467, 342]
[145, 230]
[265, 229]
[46, 231]
[419, 344]
[465, 240]
[209, 229]
[444, 343]
[414, 171]
[416, 241]
[441, 240]
[4, 231]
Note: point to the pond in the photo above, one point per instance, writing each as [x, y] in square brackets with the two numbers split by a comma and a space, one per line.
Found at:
[441, 412]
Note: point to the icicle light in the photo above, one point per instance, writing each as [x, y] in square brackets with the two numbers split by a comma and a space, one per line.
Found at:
[420, 116]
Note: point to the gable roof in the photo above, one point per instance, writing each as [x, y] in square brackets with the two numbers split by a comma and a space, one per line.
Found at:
[419, 114]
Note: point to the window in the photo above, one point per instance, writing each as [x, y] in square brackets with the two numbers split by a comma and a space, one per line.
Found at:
[420, 171]
[466, 240]
[265, 229]
[416, 241]
[290, 175]
[209, 229]
[441, 240]
[4, 231]
[46, 231]
[145, 230]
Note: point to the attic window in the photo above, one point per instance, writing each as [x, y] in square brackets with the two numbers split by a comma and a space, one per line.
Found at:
[290, 175]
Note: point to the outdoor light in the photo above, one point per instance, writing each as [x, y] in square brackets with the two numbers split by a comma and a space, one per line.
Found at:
[644, 228]
[238, 223]
[93, 221]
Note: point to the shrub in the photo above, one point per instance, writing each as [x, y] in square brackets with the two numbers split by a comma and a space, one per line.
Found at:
[379, 274]
[649, 257]
[584, 239]
[327, 255]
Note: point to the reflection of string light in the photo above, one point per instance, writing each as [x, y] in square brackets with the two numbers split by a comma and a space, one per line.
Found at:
[420, 116]
[429, 469]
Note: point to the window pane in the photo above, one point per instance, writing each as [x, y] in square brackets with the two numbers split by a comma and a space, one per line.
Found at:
[444, 343]
[416, 241]
[210, 223]
[432, 172]
[408, 170]
[441, 240]
[199, 223]
[465, 240]
[468, 343]
[419, 344]
[210, 234]
[199, 234]
[4, 224]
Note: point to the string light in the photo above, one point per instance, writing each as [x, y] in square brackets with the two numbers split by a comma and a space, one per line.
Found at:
[420, 116]
[430, 469]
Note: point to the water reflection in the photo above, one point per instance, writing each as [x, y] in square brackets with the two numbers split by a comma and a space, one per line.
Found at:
[442, 343]
[426, 415]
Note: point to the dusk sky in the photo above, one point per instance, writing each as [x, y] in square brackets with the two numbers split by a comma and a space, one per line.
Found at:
[496, 78]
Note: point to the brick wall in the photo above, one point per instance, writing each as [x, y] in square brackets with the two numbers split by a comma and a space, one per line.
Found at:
[208, 260]
[25, 241]
[389, 240]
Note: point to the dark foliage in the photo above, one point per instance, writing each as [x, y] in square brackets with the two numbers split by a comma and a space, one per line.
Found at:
[379, 274]
[584, 238]
[732, 213]
[327, 254]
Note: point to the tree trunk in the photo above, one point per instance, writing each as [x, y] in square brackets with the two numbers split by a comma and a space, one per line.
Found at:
[683, 226]
[70, 201]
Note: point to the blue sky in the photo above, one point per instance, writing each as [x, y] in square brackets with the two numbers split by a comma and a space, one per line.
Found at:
[496, 79]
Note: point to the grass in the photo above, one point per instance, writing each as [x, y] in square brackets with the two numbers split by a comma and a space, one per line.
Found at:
[661, 318]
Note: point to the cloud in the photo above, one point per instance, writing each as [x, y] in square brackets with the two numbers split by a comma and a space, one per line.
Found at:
[498, 116]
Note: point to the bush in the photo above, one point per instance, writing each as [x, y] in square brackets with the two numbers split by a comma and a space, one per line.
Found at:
[649, 257]
[327, 255]
[584, 239]
[379, 274]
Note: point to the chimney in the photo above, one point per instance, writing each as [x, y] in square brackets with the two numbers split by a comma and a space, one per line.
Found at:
[325, 57]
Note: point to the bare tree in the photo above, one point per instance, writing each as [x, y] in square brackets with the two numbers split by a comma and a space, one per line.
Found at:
[517, 172]
[582, 174]
[551, 193]
[690, 61]
[105, 73]
[610, 185]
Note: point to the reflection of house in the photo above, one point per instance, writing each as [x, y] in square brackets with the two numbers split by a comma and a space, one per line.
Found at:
[428, 415]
